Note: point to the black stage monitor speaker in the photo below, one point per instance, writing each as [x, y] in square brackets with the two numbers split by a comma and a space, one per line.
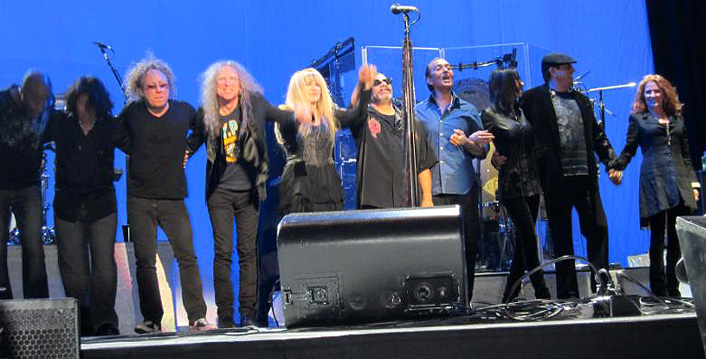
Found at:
[39, 328]
[692, 239]
[371, 265]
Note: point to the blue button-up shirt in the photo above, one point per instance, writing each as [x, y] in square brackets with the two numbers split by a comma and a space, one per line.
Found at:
[454, 173]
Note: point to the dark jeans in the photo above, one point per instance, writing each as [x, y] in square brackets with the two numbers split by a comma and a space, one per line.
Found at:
[144, 215]
[471, 228]
[576, 192]
[223, 206]
[660, 284]
[26, 204]
[523, 212]
[88, 269]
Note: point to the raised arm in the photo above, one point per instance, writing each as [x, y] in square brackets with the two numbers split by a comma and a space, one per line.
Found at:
[360, 99]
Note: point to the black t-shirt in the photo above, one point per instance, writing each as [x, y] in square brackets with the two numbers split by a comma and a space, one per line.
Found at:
[381, 159]
[20, 144]
[157, 147]
[235, 177]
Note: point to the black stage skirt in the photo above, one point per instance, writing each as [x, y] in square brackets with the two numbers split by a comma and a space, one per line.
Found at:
[307, 188]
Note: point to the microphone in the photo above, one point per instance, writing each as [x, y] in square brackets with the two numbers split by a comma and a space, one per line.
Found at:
[102, 45]
[398, 9]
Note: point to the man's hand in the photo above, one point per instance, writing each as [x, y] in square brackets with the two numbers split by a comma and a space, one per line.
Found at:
[366, 76]
[696, 194]
[482, 137]
[497, 160]
[186, 158]
[615, 176]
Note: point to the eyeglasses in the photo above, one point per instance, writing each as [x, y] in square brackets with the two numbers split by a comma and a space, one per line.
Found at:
[378, 82]
[155, 87]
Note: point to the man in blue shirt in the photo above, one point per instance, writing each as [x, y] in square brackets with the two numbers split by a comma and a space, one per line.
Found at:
[457, 136]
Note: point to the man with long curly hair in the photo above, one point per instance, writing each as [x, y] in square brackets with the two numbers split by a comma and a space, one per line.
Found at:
[231, 121]
[157, 127]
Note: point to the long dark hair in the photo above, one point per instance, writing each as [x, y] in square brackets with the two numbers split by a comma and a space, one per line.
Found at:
[503, 90]
[98, 97]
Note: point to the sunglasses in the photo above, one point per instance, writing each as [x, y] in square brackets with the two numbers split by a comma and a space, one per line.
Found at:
[378, 82]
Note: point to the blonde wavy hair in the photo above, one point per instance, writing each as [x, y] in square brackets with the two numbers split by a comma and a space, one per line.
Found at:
[296, 95]
[135, 75]
[209, 95]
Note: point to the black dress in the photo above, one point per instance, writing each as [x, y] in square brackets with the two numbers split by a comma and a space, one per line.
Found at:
[666, 173]
[310, 182]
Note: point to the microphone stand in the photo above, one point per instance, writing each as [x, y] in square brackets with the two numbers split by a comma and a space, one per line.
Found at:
[115, 72]
[505, 61]
[117, 173]
[412, 181]
[601, 104]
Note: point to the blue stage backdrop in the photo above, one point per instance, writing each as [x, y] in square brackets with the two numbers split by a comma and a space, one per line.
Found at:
[275, 38]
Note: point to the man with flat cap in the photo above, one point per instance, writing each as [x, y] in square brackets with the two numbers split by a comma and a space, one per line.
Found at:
[567, 137]
[24, 113]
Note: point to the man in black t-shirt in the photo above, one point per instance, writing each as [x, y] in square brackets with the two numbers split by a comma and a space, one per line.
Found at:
[157, 127]
[24, 113]
[380, 175]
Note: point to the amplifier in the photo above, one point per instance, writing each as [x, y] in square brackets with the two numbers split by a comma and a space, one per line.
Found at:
[39, 328]
[371, 265]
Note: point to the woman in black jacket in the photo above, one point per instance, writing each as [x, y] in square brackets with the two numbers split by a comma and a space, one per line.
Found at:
[519, 187]
[668, 184]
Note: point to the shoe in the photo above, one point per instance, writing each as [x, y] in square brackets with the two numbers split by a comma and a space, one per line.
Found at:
[226, 323]
[148, 326]
[107, 329]
[542, 293]
[245, 321]
[200, 325]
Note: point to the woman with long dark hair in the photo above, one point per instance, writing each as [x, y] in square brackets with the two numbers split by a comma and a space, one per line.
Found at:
[668, 184]
[85, 208]
[519, 187]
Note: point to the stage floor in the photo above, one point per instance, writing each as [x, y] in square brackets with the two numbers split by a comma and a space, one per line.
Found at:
[655, 336]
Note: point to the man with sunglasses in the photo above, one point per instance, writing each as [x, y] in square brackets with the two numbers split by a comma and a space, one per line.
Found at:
[567, 137]
[380, 175]
[157, 126]
[24, 113]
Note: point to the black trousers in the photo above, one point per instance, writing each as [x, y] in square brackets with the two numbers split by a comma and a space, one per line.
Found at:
[223, 206]
[523, 212]
[144, 215]
[87, 265]
[26, 204]
[576, 192]
[471, 228]
[661, 283]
